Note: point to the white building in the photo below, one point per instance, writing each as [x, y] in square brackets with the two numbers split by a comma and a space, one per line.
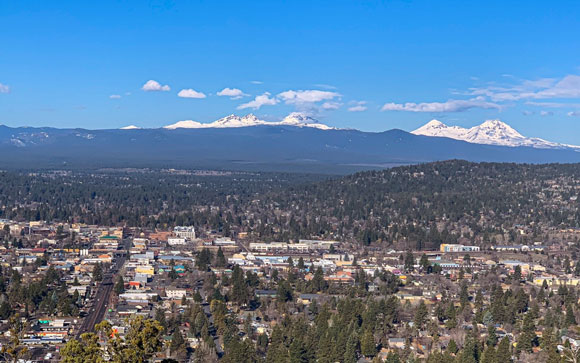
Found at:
[175, 293]
[176, 241]
[184, 232]
[224, 241]
[268, 247]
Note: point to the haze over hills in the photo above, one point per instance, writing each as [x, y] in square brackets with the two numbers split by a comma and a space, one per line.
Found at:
[296, 143]
[490, 132]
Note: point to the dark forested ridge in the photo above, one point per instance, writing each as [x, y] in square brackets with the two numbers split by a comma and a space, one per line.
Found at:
[258, 148]
[420, 206]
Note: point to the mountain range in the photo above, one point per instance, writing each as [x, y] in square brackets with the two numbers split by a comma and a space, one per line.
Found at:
[294, 119]
[490, 132]
[297, 143]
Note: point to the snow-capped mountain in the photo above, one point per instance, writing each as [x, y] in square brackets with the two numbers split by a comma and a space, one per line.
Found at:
[131, 127]
[302, 120]
[294, 119]
[491, 132]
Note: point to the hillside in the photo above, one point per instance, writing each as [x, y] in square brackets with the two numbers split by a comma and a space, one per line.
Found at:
[417, 206]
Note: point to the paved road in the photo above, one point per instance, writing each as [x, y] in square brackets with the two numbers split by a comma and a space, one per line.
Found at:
[102, 295]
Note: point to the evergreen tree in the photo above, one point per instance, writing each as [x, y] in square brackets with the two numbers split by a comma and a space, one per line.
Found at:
[98, 272]
[421, 314]
[350, 353]
[409, 261]
[504, 354]
[367, 344]
[452, 347]
[119, 287]
[220, 260]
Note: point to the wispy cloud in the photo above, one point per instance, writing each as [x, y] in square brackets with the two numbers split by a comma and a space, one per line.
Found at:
[325, 86]
[546, 113]
[115, 97]
[331, 105]
[4, 88]
[259, 101]
[567, 87]
[359, 106]
[554, 104]
[306, 96]
[256, 82]
[448, 106]
[154, 86]
[190, 93]
[574, 113]
[233, 93]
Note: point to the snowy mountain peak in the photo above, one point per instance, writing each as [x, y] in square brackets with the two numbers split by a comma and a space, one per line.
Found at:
[435, 123]
[498, 126]
[187, 124]
[303, 120]
[438, 128]
[299, 118]
[490, 132]
[294, 119]
[131, 127]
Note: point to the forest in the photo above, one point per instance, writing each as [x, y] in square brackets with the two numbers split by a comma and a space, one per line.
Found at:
[420, 205]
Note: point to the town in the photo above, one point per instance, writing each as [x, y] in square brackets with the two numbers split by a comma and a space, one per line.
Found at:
[72, 291]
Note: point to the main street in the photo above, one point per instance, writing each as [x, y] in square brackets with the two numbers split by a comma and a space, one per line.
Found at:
[102, 296]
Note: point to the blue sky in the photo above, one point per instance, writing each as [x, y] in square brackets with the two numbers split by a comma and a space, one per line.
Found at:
[362, 64]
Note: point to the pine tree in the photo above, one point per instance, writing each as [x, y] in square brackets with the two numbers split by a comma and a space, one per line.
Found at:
[452, 347]
[488, 355]
[119, 287]
[98, 272]
[504, 354]
[491, 336]
[177, 341]
[240, 293]
[367, 344]
[424, 263]
[350, 353]
[420, 315]
[409, 262]
[526, 340]
[220, 259]
[301, 265]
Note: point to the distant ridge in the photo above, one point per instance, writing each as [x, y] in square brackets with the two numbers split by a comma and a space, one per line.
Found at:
[490, 132]
[287, 145]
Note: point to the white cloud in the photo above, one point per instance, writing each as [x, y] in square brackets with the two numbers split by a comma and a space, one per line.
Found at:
[233, 93]
[546, 113]
[325, 86]
[115, 97]
[256, 82]
[331, 105]
[567, 87]
[527, 113]
[448, 106]
[358, 107]
[190, 93]
[259, 101]
[306, 96]
[152, 85]
[574, 113]
[543, 88]
[4, 88]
